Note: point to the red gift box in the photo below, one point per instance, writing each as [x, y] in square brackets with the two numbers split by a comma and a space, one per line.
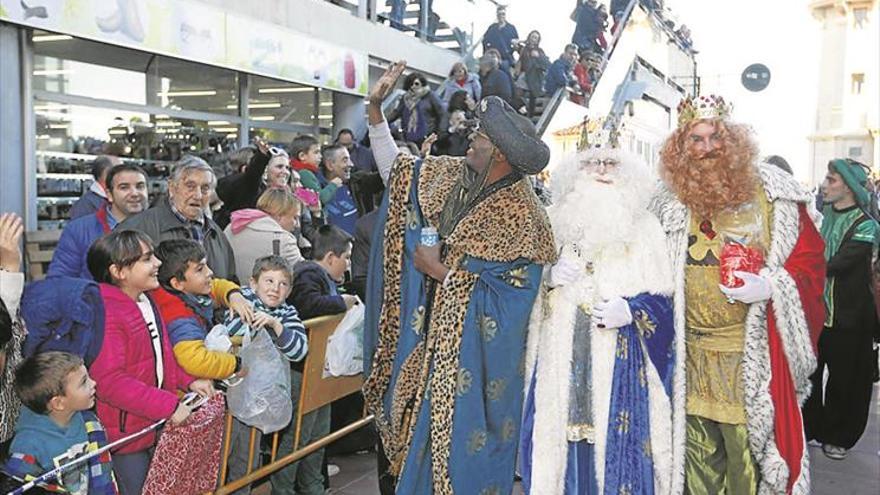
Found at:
[737, 257]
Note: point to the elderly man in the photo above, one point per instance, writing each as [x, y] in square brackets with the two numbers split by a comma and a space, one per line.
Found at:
[447, 320]
[495, 81]
[601, 354]
[127, 195]
[749, 270]
[182, 215]
[837, 411]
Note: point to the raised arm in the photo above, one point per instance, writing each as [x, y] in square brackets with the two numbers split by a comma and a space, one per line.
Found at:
[384, 148]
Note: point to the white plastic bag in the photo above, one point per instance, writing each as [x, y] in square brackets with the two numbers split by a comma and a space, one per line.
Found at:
[217, 339]
[262, 399]
[345, 348]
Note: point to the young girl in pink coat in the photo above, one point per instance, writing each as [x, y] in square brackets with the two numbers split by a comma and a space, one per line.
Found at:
[136, 374]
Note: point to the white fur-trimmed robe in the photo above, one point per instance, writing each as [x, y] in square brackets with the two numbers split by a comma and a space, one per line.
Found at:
[785, 194]
[641, 267]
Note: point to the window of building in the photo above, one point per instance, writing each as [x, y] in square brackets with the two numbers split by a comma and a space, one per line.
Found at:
[271, 100]
[858, 79]
[860, 17]
[79, 67]
[855, 152]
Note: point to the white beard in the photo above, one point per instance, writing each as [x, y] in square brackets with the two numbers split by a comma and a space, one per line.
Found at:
[594, 216]
[609, 226]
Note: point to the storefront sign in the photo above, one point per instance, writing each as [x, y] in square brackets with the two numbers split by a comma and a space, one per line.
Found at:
[267, 49]
[199, 33]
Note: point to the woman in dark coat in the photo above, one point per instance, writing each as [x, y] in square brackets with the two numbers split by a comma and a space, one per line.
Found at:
[531, 69]
[419, 109]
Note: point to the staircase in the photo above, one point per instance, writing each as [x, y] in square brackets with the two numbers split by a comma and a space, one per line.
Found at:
[422, 24]
[548, 104]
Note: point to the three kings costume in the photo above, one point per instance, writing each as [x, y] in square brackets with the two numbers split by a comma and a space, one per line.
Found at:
[597, 415]
[747, 365]
[446, 379]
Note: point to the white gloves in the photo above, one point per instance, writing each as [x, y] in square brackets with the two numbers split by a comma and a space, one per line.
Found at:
[756, 288]
[613, 313]
[564, 272]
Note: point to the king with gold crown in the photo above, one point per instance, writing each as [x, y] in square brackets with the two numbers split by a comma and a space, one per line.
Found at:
[749, 270]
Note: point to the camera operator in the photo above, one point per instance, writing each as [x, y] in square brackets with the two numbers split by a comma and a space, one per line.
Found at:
[456, 126]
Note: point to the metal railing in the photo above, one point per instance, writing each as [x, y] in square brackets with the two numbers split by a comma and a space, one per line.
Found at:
[416, 17]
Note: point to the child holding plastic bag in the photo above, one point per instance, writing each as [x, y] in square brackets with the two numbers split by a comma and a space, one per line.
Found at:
[270, 285]
[136, 375]
[314, 294]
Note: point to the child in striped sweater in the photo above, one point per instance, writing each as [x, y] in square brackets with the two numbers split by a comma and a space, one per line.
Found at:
[270, 285]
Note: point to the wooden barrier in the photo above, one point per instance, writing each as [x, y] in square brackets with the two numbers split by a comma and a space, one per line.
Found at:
[316, 391]
[39, 247]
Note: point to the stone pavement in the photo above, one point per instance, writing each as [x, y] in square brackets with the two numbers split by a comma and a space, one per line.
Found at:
[858, 474]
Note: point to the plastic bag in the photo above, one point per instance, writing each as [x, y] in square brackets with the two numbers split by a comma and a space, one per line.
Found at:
[345, 348]
[217, 339]
[262, 399]
[737, 257]
[744, 243]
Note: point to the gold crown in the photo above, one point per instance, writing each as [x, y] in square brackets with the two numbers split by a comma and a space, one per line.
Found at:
[703, 107]
[596, 133]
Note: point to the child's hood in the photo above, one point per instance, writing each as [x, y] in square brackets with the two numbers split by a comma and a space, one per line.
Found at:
[242, 218]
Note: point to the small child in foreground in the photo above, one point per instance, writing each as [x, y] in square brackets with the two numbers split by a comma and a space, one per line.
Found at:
[56, 425]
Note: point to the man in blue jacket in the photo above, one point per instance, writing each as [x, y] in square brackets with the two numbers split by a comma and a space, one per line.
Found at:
[96, 197]
[127, 195]
[560, 74]
[501, 36]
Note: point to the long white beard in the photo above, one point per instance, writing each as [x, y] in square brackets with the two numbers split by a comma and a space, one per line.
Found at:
[594, 216]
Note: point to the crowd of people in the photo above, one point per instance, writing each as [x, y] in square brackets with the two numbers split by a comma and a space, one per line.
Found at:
[672, 340]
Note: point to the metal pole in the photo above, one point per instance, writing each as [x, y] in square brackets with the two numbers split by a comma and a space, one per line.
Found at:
[423, 19]
[244, 85]
[29, 126]
[292, 457]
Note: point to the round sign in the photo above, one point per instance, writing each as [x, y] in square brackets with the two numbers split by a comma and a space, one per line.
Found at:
[756, 77]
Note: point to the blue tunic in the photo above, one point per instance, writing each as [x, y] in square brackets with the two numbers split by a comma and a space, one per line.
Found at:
[647, 341]
[462, 348]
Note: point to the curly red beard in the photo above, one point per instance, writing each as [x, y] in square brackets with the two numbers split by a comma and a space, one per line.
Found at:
[715, 181]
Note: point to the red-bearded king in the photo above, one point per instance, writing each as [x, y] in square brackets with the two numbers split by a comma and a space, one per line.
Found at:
[749, 270]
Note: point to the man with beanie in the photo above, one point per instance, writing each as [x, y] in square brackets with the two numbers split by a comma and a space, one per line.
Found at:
[445, 330]
[836, 414]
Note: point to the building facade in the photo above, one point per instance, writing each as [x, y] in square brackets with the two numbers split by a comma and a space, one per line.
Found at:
[848, 105]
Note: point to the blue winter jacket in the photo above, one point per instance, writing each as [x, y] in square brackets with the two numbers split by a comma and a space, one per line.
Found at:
[76, 239]
[558, 76]
[87, 204]
[63, 314]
